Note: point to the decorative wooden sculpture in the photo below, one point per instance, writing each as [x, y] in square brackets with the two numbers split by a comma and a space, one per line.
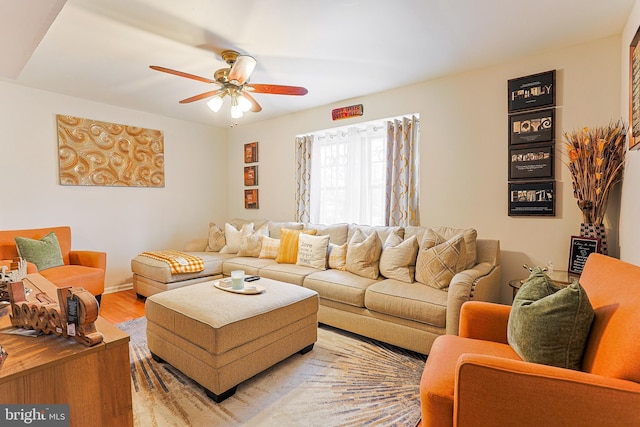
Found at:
[73, 315]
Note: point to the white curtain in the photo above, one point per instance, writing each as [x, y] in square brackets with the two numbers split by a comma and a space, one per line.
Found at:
[402, 205]
[304, 146]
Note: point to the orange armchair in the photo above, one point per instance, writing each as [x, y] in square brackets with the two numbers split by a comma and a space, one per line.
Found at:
[477, 379]
[84, 269]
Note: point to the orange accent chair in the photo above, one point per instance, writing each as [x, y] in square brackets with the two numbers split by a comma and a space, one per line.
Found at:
[477, 379]
[84, 269]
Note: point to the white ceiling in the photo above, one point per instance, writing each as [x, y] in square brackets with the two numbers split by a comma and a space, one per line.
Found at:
[338, 49]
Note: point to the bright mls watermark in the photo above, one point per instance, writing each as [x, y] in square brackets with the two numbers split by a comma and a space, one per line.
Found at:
[34, 415]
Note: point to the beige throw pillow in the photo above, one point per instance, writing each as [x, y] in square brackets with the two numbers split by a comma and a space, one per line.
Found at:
[269, 248]
[233, 237]
[439, 261]
[216, 238]
[398, 258]
[338, 256]
[252, 244]
[312, 251]
[363, 254]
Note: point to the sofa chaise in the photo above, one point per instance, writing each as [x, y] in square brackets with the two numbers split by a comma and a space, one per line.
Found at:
[396, 308]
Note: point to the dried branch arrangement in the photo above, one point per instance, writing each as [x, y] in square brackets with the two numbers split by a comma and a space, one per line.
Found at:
[596, 161]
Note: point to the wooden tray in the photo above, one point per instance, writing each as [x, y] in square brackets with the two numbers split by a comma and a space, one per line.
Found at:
[258, 289]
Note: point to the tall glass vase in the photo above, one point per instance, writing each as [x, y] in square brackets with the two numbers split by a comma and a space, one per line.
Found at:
[595, 231]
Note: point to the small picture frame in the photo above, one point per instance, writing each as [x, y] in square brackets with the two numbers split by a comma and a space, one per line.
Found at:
[580, 249]
[531, 162]
[251, 176]
[251, 152]
[532, 127]
[251, 199]
[532, 198]
[532, 92]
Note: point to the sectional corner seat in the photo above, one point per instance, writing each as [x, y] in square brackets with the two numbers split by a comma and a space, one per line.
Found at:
[408, 315]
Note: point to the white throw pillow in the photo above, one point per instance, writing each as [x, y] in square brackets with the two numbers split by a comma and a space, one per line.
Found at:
[233, 237]
[312, 251]
[398, 258]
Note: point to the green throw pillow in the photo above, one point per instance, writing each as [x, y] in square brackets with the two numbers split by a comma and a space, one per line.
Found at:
[550, 324]
[44, 253]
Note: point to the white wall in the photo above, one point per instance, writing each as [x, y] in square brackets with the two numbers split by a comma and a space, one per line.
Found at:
[463, 150]
[121, 221]
[630, 204]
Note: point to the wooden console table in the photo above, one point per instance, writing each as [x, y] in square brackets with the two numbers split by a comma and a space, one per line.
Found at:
[94, 381]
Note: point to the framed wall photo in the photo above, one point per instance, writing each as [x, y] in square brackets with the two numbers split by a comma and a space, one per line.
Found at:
[532, 127]
[534, 91]
[532, 198]
[250, 175]
[580, 249]
[251, 152]
[251, 199]
[634, 92]
[531, 162]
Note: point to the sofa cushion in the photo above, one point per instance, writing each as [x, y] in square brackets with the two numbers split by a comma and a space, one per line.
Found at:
[289, 273]
[269, 248]
[312, 251]
[216, 239]
[160, 271]
[398, 258]
[363, 254]
[338, 233]
[338, 256]
[276, 226]
[288, 249]
[408, 301]
[44, 252]
[233, 237]
[438, 261]
[250, 265]
[89, 278]
[251, 244]
[383, 231]
[550, 323]
[339, 286]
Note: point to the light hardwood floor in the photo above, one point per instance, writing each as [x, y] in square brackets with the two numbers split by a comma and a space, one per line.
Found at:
[121, 306]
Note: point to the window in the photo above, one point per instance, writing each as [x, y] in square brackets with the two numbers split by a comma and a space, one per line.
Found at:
[348, 175]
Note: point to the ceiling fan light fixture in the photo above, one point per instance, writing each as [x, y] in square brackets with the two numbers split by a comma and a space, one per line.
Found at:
[236, 111]
[215, 103]
[244, 104]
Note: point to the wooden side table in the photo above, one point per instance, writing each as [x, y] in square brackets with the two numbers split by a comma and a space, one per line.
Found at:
[561, 277]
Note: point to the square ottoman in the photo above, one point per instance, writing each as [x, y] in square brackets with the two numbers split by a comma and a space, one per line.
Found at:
[219, 338]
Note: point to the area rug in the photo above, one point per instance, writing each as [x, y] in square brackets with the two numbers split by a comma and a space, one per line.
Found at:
[346, 380]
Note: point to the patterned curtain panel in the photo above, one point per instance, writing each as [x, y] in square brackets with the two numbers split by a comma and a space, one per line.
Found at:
[402, 205]
[304, 146]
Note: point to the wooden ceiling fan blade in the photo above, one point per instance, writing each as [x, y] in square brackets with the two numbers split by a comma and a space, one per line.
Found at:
[202, 96]
[277, 89]
[242, 69]
[255, 107]
[182, 74]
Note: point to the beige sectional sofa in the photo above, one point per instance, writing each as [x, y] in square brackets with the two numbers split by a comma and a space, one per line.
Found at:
[409, 308]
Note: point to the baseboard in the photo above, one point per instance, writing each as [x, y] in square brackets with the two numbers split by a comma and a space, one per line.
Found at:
[118, 288]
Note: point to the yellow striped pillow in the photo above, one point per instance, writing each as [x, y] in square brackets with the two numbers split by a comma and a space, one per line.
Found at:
[288, 250]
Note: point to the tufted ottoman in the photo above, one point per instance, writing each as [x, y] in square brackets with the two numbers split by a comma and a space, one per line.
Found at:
[220, 339]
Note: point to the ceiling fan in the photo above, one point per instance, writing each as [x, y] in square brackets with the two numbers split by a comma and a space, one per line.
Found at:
[234, 83]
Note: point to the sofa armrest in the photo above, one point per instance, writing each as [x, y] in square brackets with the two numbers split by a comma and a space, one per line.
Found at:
[484, 321]
[494, 391]
[196, 245]
[462, 288]
[89, 259]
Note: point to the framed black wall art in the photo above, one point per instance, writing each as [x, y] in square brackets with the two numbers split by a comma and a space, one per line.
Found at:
[532, 127]
[531, 162]
[532, 198]
[580, 249]
[534, 91]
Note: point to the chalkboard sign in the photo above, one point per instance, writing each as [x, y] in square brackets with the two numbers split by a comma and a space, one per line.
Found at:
[581, 248]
